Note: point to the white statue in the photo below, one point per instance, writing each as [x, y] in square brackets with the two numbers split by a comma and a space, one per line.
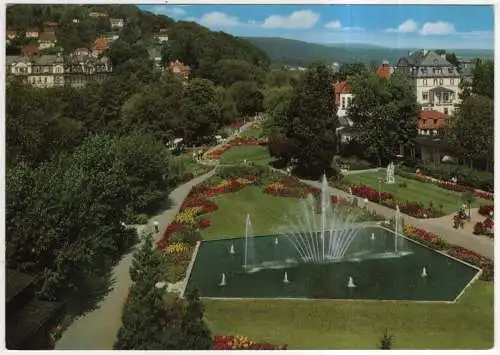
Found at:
[389, 178]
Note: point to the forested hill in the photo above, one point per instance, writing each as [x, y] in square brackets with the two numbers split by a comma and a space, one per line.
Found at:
[295, 52]
[189, 42]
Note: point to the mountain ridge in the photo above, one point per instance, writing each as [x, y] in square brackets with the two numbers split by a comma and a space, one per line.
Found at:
[296, 52]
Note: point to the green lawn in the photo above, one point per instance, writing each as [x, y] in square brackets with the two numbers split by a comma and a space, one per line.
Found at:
[252, 153]
[329, 324]
[265, 211]
[414, 191]
[252, 132]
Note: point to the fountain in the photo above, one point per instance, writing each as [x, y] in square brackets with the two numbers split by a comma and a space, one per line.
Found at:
[223, 280]
[373, 236]
[231, 250]
[249, 250]
[389, 177]
[276, 241]
[351, 283]
[397, 228]
[285, 279]
[323, 241]
[424, 272]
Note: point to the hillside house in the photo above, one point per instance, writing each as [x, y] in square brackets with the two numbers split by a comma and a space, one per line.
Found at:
[116, 22]
[32, 33]
[385, 70]
[100, 45]
[179, 68]
[161, 36]
[47, 40]
[435, 80]
[97, 14]
[10, 34]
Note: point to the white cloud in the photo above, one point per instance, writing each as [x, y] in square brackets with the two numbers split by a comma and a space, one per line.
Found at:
[175, 11]
[439, 28]
[303, 19]
[354, 29]
[335, 24]
[219, 19]
[408, 26]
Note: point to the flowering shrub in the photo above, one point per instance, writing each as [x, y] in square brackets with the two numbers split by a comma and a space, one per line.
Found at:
[229, 342]
[483, 194]
[475, 259]
[204, 223]
[237, 142]
[484, 210]
[479, 229]
[414, 209]
[427, 238]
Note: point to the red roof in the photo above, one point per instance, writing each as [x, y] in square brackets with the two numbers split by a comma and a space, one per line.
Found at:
[179, 67]
[100, 44]
[431, 119]
[30, 49]
[341, 88]
[384, 71]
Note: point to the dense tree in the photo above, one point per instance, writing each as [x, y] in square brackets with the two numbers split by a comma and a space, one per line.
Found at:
[474, 118]
[348, 70]
[228, 71]
[201, 110]
[195, 333]
[384, 113]
[247, 97]
[276, 102]
[483, 78]
[311, 122]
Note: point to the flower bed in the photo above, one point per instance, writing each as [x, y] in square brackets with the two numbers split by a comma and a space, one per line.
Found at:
[450, 185]
[427, 238]
[411, 208]
[204, 223]
[370, 193]
[290, 187]
[229, 342]
[436, 242]
[237, 142]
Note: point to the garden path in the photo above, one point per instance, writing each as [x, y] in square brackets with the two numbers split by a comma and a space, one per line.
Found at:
[97, 329]
[242, 129]
[442, 226]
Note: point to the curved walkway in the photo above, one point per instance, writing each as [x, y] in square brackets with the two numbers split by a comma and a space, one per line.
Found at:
[97, 330]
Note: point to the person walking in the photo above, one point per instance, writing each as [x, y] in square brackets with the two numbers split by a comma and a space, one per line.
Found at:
[157, 226]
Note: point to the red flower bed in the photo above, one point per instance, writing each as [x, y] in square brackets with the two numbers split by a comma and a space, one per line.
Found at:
[475, 259]
[229, 342]
[414, 209]
[427, 238]
[370, 193]
[171, 229]
[236, 123]
[483, 194]
[206, 206]
[204, 223]
[448, 185]
[484, 210]
[488, 223]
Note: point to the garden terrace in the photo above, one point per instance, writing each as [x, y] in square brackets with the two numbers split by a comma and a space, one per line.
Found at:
[410, 190]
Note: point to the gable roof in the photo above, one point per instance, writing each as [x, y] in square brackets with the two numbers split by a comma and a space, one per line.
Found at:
[100, 44]
[30, 49]
[384, 71]
[432, 59]
[429, 119]
[343, 88]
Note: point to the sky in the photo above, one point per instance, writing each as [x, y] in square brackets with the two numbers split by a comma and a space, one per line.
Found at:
[394, 26]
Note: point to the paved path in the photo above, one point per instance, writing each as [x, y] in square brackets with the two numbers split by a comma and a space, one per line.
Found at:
[229, 139]
[97, 329]
[442, 226]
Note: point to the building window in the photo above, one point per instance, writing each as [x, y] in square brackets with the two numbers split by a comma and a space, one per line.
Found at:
[425, 96]
[349, 100]
[435, 121]
[440, 81]
[452, 82]
[445, 111]
[45, 80]
[343, 103]
[435, 81]
[425, 82]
